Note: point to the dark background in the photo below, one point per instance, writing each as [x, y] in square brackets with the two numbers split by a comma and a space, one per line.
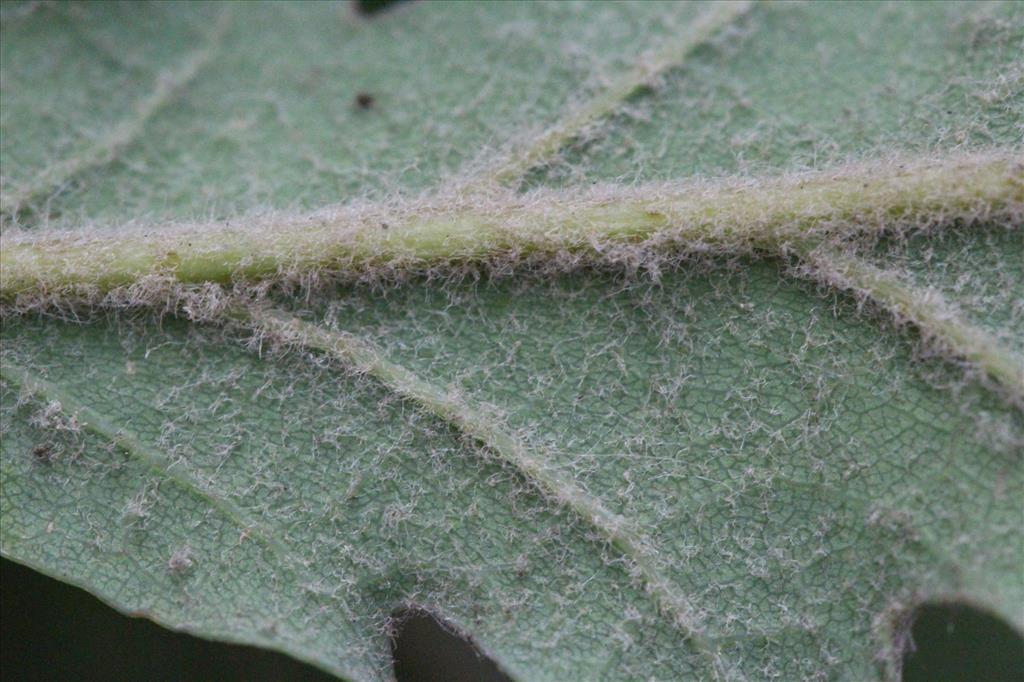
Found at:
[50, 630]
[53, 631]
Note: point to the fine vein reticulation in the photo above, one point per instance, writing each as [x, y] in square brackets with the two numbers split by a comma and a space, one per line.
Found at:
[801, 214]
[928, 310]
[108, 145]
[100, 425]
[643, 74]
[96, 422]
[447, 405]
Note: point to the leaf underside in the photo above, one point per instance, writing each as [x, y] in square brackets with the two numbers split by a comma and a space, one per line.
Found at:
[714, 468]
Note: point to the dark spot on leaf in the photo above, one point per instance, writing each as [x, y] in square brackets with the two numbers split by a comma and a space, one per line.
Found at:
[956, 643]
[426, 650]
[368, 8]
[364, 101]
[43, 453]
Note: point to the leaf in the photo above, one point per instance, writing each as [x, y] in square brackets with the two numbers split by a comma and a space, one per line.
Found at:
[663, 431]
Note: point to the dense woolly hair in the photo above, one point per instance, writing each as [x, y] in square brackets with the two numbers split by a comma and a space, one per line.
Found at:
[710, 436]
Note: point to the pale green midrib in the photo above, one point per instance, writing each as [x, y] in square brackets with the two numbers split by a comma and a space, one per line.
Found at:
[446, 405]
[727, 215]
[927, 310]
[93, 421]
[126, 131]
[671, 54]
[967, 341]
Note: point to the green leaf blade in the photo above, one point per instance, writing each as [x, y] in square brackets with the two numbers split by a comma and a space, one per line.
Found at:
[646, 464]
